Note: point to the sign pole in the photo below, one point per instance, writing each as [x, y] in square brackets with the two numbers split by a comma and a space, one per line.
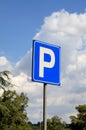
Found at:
[44, 107]
[45, 65]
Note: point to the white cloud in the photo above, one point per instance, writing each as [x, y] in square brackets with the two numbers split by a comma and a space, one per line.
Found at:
[5, 64]
[24, 65]
[67, 30]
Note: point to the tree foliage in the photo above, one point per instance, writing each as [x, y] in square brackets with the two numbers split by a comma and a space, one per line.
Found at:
[5, 79]
[12, 111]
[55, 124]
[79, 122]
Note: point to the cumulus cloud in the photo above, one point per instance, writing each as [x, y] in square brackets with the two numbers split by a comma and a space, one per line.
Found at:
[24, 65]
[67, 30]
[5, 64]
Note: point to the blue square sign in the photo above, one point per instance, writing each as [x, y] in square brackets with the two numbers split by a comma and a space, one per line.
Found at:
[46, 63]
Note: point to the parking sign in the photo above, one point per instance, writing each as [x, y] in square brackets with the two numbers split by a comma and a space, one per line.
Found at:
[46, 63]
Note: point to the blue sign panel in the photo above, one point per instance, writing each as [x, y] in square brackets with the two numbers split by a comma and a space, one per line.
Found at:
[46, 63]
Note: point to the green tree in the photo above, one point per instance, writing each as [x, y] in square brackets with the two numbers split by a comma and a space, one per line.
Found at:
[79, 122]
[12, 111]
[36, 126]
[5, 80]
[55, 124]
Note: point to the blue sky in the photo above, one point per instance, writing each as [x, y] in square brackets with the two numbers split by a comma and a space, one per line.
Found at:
[20, 20]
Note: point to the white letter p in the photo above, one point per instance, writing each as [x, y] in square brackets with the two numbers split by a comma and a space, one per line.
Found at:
[42, 63]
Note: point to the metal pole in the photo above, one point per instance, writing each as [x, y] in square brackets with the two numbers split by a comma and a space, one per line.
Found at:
[44, 108]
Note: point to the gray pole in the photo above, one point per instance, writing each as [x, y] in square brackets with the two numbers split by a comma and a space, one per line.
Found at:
[44, 108]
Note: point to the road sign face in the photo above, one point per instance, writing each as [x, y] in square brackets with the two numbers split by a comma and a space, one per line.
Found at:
[46, 63]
